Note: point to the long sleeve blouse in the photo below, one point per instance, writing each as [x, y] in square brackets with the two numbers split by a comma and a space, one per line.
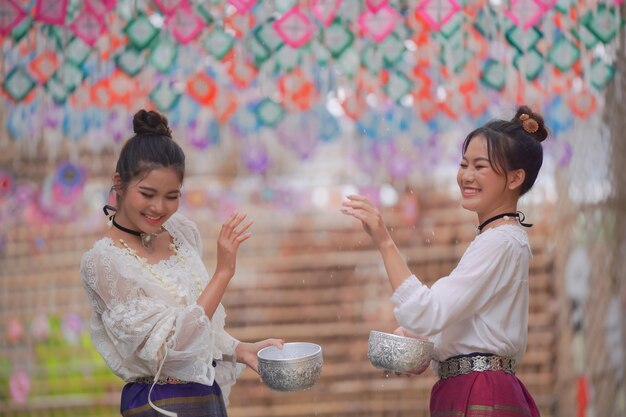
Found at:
[146, 316]
[482, 306]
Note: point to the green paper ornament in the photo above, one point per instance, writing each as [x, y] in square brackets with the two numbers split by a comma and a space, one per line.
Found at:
[140, 31]
[164, 96]
[70, 75]
[18, 83]
[523, 40]
[584, 35]
[563, 54]
[531, 62]
[603, 23]
[288, 58]
[56, 90]
[163, 55]
[494, 75]
[131, 61]
[337, 38]
[393, 49]
[348, 63]
[372, 58]
[269, 113]
[205, 14]
[398, 85]
[601, 74]
[219, 43]
[268, 37]
[260, 52]
[77, 51]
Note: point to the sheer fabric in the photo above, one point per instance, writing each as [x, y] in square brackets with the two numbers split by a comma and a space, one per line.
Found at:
[482, 306]
[136, 318]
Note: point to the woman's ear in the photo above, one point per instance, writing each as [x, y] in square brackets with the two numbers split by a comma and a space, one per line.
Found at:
[516, 179]
[117, 182]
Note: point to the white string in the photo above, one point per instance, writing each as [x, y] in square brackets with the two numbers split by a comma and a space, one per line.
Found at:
[156, 378]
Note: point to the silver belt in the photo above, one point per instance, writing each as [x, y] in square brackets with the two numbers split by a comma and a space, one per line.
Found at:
[160, 381]
[479, 363]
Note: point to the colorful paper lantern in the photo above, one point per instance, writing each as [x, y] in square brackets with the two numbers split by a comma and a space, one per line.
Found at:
[604, 22]
[563, 54]
[530, 63]
[131, 61]
[325, 10]
[184, 24]
[337, 38]
[163, 55]
[43, 66]
[601, 74]
[11, 15]
[88, 26]
[493, 74]
[242, 6]
[18, 83]
[170, 6]
[380, 23]
[437, 12]
[219, 43]
[52, 12]
[269, 112]
[526, 13]
[294, 28]
[202, 88]
[165, 96]
[140, 31]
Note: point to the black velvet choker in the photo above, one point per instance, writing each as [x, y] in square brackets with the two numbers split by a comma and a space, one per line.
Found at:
[146, 238]
[518, 214]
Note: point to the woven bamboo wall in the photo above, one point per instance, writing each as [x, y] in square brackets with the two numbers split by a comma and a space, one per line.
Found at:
[306, 277]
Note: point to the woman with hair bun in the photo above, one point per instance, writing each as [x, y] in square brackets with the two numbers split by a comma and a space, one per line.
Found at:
[158, 320]
[477, 317]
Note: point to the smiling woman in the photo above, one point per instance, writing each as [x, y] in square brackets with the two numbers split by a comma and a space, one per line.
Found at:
[157, 319]
[476, 317]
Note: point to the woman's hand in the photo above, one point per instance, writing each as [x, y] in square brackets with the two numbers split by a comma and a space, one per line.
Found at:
[247, 352]
[401, 331]
[362, 209]
[232, 234]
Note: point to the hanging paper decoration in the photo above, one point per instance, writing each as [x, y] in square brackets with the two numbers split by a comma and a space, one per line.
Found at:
[523, 40]
[11, 14]
[260, 53]
[526, 13]
[269, 112]
[437, 12]
[184, 24]
[19, 387]
[203, 132]
[77, 51]
[288, 58]
[43, 66]
[224, 105]
[165, 96]
[601, 74]
[494, 74]
[131, 61]
[338, 38]
[242, 6]
[18, 83]
[582, 104]
[170, 6]
[140, 31]
[100, 7]
[379, 24]
[21, 29]
[88, 26]
[245, 121]
[398, 85]
[530, 63]
[325, 10]
[328, 125]
[604, 22]
[163, 54]
[299, 134]
[563, 54]
[219, 43]
[375, 5]
[202, 88]
[267, 36]
[294, 28]
[68, 183]
[52, 12]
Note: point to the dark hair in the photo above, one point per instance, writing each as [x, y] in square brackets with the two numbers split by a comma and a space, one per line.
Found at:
[151, 147]
[514, 144]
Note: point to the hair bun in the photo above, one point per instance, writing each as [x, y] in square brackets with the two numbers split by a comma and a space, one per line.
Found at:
[531, 122]
[151, 123]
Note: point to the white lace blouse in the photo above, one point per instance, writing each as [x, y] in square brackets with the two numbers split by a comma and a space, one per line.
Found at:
[482, 306]
[137, 321]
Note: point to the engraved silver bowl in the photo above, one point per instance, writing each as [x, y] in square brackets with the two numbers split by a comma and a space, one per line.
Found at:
[297, 366]
[398, 353]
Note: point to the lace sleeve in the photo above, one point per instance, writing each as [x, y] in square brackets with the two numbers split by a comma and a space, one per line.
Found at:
[134, 322]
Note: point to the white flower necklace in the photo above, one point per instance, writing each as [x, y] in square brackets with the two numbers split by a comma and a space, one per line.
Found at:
[144, 263]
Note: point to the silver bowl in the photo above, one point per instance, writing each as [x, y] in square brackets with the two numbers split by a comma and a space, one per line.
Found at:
[398, 353]
[295, 367]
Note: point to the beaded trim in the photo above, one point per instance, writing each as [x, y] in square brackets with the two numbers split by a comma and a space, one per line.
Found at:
[480, 363]
[160, 381]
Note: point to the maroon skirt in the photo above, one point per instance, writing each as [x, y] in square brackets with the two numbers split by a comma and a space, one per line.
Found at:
[482, 394]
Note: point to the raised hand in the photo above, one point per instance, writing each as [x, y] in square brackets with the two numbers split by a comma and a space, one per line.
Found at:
[247, 352]
[234, 231]
[362, 209]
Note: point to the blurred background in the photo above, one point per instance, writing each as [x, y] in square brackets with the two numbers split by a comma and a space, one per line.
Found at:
[283, 108]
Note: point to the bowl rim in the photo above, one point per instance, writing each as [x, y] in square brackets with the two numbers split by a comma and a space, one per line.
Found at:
[318, 351]
[399, 338]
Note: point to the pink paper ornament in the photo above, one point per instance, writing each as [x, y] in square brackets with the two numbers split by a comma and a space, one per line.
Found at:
[184, 24]
[11, 14]
[242, 6]
[379, 24]
[170, 6]
[437, 12]
[325, 10]
[19, 386]
[100, 7]
[294, 28]
[88, 26]
[52, 12]
[526, 13]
